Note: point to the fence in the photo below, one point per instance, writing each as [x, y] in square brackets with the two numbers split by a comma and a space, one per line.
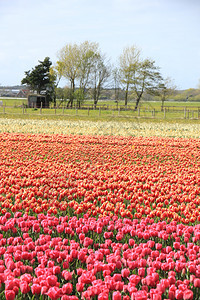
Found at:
[174, 112]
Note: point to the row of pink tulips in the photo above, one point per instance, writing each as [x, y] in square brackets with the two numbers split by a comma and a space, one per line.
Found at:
[155, 260]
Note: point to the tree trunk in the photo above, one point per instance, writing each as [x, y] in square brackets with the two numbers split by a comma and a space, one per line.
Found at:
[126, 98]
[71, 94]
[95, 96]
[54, 103]
[98, 92]
[137, 102]
[69, 102]
[95, 103]
[162, 105]
[54, 100]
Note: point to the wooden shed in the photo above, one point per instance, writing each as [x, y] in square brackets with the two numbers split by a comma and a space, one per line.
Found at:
[37, 101]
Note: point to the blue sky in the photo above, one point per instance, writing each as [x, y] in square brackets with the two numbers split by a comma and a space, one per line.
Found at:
[167, 31]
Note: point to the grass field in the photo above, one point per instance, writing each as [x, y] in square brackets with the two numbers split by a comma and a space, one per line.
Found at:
[174, 111]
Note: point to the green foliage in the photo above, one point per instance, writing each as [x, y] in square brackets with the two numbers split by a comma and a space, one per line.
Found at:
[167, 89]
[84, 67]
[138, 75]
[40, 79]
[187, 95]
[79, 95]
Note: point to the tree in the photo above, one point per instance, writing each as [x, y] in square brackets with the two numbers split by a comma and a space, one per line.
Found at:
[89, 54]
[128, 64]
[166, 90]
[40, 79]
[116, 82]
[139, 76]
[79, 95]
[100, 74]
[75, 64]
[84, 66]
[68, 66]
[63, 95]
[147, 78]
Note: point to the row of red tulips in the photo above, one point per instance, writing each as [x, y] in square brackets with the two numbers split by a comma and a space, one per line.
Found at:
[127, 177]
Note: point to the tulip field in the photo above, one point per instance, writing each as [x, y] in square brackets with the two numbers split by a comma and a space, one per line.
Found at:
[87, 216]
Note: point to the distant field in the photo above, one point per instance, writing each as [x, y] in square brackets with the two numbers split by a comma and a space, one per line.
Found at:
[143, 104]
[13, 101]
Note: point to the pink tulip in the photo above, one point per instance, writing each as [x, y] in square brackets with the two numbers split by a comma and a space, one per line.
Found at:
[119, 285]
[60, 228]
[44, 290]
[131, 242]
[26, 277]
[116, 296]
[80, 287]
[36, 289]
[179, 294]
[24, 287]
[9, 294]
[103, 296]
[161, 287]
[9, 284]
[52, 280]
[125, 273]
[67, 288]
[197, 282]
[141, 272]
[126, 297]
[65, 297]
[135, 279]
[117, 277]
[188, 295]
[56, 270]
[140, 295]
[54, 293]
[67, 275]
